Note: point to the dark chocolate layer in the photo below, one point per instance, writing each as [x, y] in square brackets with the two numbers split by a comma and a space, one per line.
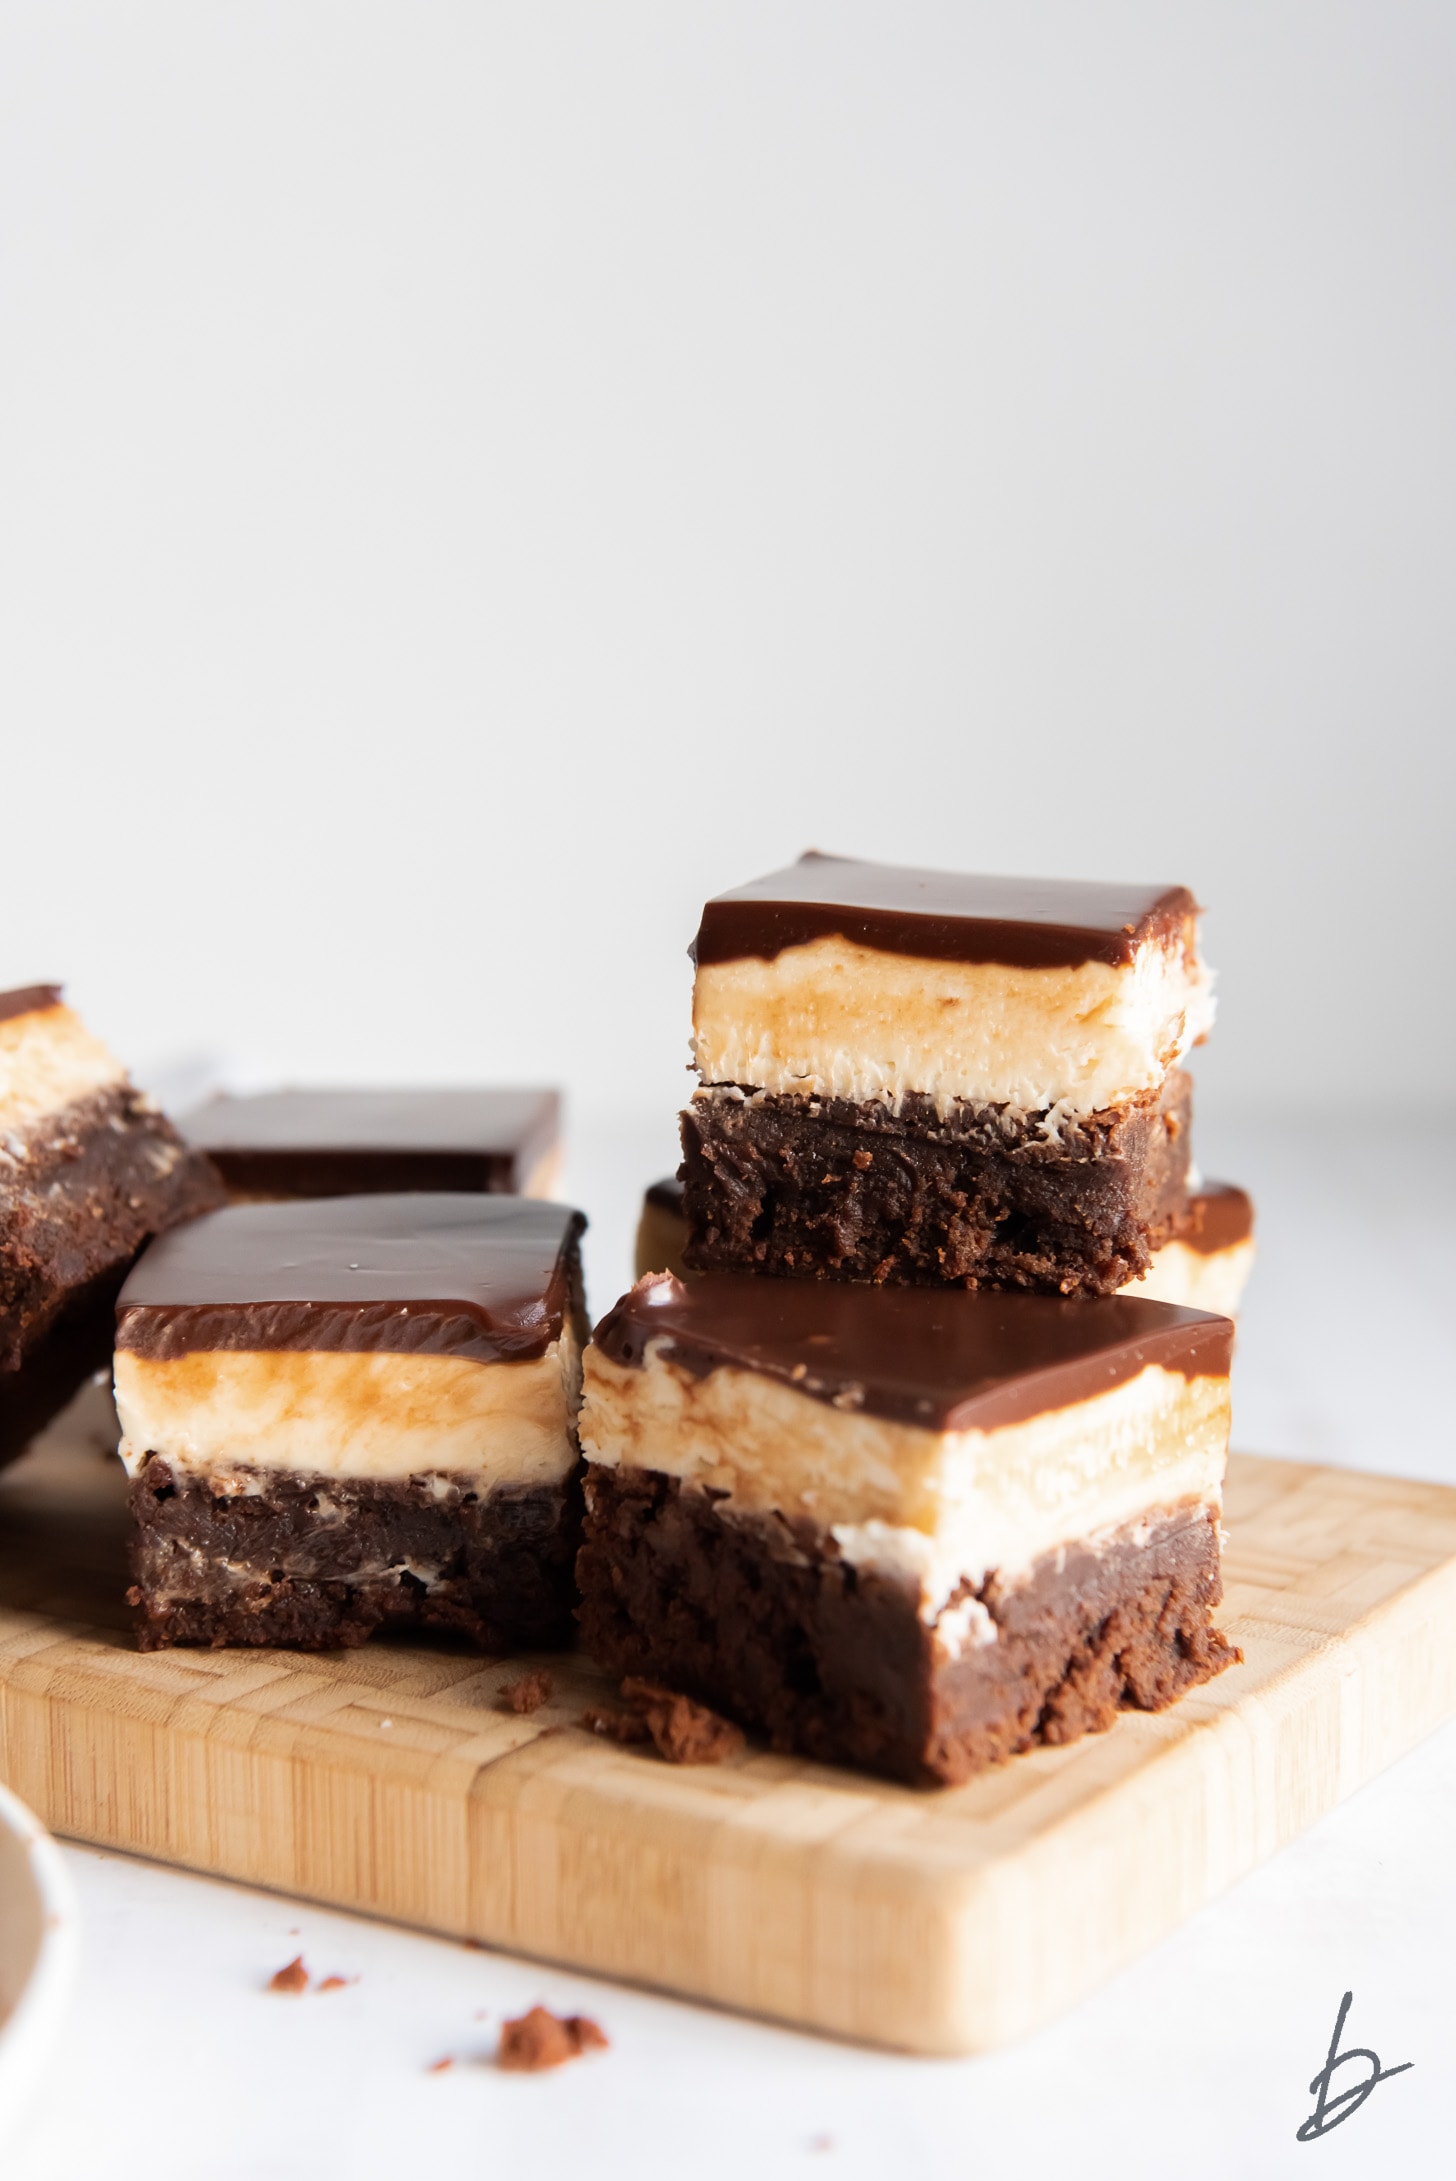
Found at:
[28, 999]
[826, 1189]
[940, 1358]
[346, 1143]
[490, 1278]
[667, 1195]
[1218, 1217]
[762, 1620]
[80, 1193]
[1024, 923]
[320, 1562]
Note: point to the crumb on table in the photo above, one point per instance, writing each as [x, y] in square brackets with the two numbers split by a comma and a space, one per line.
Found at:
[540, 2039]
[684, 1731]
[292, 1977]
[529, 1691]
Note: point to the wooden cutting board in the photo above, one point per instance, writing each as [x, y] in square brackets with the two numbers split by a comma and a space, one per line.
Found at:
[389, 1780]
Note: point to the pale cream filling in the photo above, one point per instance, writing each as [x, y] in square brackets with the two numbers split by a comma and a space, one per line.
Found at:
[936, 1507]
[321, 1413]
[543, 1176]
[834, 1020]
[48, 1061]
[1199, 1280]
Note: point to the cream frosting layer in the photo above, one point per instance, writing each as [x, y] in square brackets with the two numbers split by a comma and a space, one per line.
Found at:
[936, 1508]
[1198, 1280]
[49, 1060]
[543, 1177]
[330, 1414]
[836, 1020]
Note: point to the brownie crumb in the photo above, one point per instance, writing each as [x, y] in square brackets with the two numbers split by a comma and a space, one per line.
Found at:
[292, 1977]
[438, 2067]
[332, 1984]
[540, 2039]
[529, 1692]
[685, 1732]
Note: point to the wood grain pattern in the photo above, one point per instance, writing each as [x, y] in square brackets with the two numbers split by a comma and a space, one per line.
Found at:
[390, 1780]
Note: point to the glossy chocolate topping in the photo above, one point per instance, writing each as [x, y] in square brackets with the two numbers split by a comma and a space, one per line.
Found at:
[486, 1277]
[1025, 923]
[337, 1142]
[1219, 1216]
[28, 999]
[946, 1360]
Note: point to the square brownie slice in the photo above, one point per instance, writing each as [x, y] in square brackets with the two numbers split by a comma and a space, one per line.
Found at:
[351, 1413]
[905, 1529]
[921, 1077]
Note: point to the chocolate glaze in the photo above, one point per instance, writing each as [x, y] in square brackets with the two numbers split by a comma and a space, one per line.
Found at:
[946, 1360]
[1219, 1217]
[341, 1142]
[943, 916]
[489, 1278]
[28, 999]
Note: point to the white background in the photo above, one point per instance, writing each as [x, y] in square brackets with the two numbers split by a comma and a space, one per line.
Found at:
[474, 480]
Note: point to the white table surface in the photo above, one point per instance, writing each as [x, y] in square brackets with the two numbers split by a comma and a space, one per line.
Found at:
[178, 2064]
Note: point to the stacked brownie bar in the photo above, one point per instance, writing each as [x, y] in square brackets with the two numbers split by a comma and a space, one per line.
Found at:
[896, 1474]
[912, 1077]
[89, 1171]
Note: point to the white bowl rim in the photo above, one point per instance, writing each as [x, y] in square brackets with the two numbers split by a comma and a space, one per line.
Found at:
[36, 2016]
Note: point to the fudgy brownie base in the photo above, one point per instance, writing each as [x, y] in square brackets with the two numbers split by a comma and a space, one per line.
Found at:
[761, 1619]
[54, 1372]
[827, 1189]
[316, 1563]
[80, 1194]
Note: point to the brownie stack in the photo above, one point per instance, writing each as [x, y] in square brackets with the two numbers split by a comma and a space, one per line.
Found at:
[899, 1473]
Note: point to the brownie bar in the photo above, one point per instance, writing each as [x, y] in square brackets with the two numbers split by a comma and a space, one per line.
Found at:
[909, 1528]
[830, 1189]
[759, 1616]
[89, 1169]
[325, 1143]
[315, 1562]
[347, 1413]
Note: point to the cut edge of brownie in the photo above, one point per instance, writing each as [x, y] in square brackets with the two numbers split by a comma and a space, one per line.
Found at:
[80, 1194]
[827, 1189]
[761, 1619]
[310, 1562]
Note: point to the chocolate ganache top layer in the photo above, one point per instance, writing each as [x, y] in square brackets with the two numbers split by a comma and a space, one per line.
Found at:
[946, 1360]
[489, 1278]
[1218, 1217]
[1024, 923]
[334, 1142]
[29, 999]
